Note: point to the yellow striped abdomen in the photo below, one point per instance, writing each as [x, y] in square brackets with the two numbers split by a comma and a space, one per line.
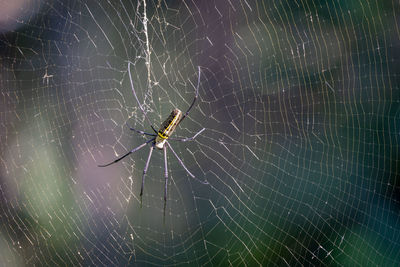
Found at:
[167, 128]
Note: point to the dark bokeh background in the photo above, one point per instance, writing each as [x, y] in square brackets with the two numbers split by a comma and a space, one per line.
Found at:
[300, 100]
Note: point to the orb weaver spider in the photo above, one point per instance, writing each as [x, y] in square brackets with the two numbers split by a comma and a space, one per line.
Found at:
[161, 137]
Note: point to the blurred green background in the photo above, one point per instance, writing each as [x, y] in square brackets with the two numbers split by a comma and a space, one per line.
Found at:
[300, 101]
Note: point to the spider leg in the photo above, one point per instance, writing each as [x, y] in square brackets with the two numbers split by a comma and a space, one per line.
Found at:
[183, 165]
[189, 138]
[145, 169]
[195, 97]
[130, 152]
[165, 174]
[137, 99]
[141, 132]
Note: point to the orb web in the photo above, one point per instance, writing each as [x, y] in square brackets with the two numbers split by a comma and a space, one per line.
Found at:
[300, 101]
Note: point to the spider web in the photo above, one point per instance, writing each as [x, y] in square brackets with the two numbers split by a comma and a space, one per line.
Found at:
[300, 101]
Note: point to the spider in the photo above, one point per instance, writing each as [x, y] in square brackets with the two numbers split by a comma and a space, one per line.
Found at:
[160, 137]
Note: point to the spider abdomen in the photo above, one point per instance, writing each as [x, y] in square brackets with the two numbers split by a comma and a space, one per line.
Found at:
[167, 128]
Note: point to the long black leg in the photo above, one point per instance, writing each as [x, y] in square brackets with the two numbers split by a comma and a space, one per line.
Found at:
[166, 179]
[183, 165]
[145, 169]
[130, 152]
[141, 132]
[137, 99]
[189, 138]
[165, 173]
[195, 97]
